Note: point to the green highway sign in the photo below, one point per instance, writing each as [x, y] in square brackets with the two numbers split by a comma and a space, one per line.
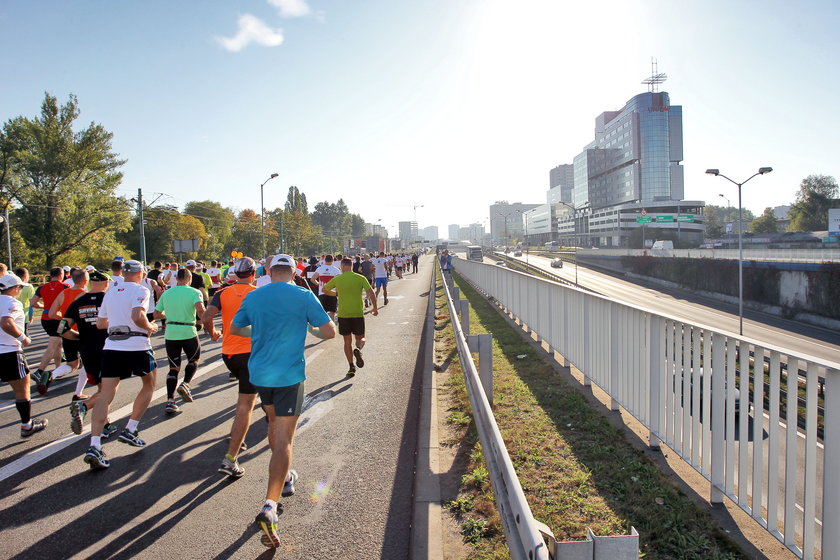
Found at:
[685, 218]
[644, 220]
[664, 219]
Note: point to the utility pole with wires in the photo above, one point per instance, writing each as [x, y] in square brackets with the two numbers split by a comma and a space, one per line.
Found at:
[139, 201]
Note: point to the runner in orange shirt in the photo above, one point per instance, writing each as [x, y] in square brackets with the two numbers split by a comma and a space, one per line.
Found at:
[235, 352]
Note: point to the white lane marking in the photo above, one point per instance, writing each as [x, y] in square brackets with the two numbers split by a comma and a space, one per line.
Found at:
[55, 446]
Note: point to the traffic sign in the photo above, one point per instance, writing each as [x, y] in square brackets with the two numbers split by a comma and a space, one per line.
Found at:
[685, 218]
[644, 220]
[644, 212]
[664, 219]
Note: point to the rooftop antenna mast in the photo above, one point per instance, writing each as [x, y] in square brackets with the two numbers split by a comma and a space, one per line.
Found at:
[656, 77]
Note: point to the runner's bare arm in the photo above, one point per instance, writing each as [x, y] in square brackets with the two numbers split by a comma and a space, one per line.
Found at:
[138, 315]
[324, 332]
[207, 321]
[240, 331]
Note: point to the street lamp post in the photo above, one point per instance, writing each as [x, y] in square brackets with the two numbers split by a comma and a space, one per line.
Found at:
[507, 238]
[262, 212]
[717, 173]
[728, 204]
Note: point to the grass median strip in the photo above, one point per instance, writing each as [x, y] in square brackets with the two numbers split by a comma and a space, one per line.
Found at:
[576, 468]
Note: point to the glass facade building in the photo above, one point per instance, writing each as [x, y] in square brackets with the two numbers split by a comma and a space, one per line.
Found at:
[635, 156]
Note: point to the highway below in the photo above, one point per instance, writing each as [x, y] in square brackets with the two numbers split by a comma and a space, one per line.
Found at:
[354, 450]
[762, 328]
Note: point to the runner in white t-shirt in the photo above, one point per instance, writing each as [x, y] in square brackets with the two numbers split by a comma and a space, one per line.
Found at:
[380, 275]
[127, 352]
[324, 274]
[215, 274]
[13, 368]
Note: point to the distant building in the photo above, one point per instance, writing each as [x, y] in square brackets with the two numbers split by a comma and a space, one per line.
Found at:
[430, 233]
[629, 177]
[454, 232]
[506, 222]
[561, 183]
[408, 232]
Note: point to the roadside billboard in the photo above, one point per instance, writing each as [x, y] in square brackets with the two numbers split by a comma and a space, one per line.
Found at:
[834, 221]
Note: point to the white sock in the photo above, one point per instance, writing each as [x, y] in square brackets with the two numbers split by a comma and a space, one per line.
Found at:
[132, 425]
[81, 382]
[61, 371]
[271, 503]
[289, 476]
[96, 441]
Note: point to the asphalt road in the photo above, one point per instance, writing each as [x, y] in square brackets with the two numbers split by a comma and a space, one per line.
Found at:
[354, 451]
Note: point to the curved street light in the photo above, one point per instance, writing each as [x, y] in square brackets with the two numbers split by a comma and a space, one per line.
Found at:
[574, 218]
[262, 212]
[717, 173]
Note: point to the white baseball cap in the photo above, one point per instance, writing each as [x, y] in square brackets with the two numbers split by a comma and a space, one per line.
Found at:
[282, 260]
[190, 263]
[10, 280]
[90, 268]
[65, 268]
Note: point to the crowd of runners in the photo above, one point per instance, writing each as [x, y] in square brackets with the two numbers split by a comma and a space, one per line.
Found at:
[100, 323]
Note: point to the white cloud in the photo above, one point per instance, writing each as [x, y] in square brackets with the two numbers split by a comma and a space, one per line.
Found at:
[251, 30]
[291, 8]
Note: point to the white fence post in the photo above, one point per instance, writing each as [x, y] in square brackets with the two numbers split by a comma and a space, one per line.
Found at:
[655, 364]
[716, 375]
[831, 463]
[483, 344]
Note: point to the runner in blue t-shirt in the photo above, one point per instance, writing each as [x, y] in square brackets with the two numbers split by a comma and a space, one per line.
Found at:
[276, 317]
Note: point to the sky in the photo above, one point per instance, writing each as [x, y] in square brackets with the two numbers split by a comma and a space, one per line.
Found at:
[432, 109]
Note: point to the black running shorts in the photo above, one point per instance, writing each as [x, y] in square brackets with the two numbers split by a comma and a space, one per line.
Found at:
[71, 349]
[125, 363]
[92, 361]
[189, 346]
[13, 366]
[50, 326]
[330, 303]
[351, 325]
[287, 401]
[238, 366]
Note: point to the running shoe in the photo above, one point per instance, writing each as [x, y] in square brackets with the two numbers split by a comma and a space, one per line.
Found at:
[289, 485]
[96, 458]
[386, 301]
[82, 397]
[78, 411]
[351, 371]
[184, 391]
[359, 361]
[171, 408]
[231, 468]
[267, 521]
[43, 382]
[35, 425]
[232, 377]
[109, 429]
[131, 438]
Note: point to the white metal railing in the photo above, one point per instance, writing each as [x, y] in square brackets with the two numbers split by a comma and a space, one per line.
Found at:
[658, 368]
[786, 255]
[522, 531]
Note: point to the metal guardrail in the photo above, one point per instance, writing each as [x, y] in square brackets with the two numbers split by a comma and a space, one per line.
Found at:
[654, 366]
[524, 539]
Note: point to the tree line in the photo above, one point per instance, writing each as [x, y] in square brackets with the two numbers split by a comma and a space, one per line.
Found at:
[59, 187]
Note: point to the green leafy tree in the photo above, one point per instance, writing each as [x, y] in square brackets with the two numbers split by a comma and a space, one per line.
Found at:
[817, 193]
[766, 223]
[218, 224]
[714, 228]
[247, 235]
[161, 229]
[296, 201]
[67, 182]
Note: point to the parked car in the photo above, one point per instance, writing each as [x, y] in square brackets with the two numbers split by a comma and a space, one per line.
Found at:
[557, 263]
[517, 254]
[501, 263]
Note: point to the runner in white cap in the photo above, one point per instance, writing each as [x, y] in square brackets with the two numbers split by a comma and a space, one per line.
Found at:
[13, 368]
